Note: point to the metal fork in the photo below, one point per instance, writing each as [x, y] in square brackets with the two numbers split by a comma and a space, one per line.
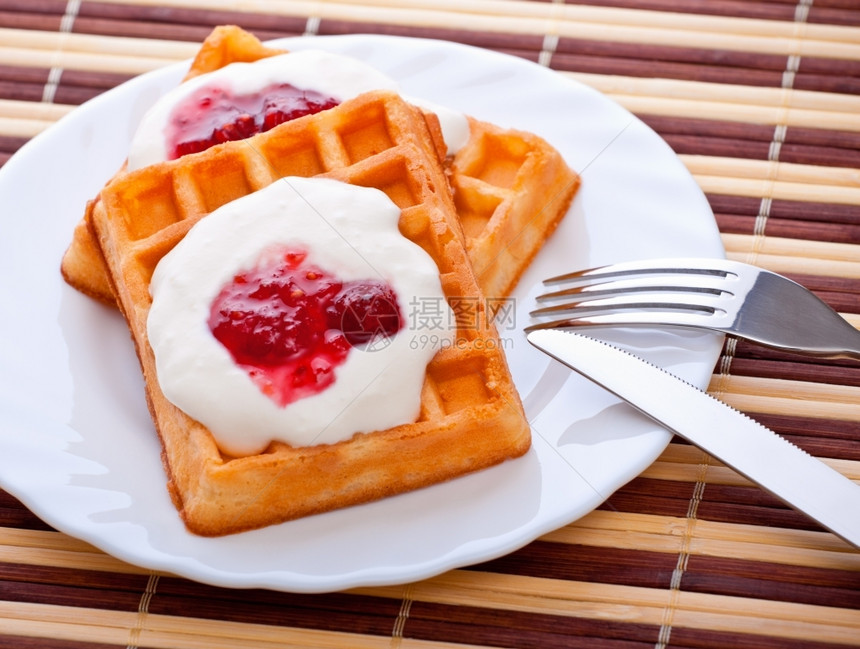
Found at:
[727, 296]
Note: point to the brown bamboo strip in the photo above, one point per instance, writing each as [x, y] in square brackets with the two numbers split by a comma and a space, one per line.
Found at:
[767, 363]
[789, 153]
[708, 581]
[335, 612]
[763, 10]
[24, 75]
[616, 65]
[841, 84]
[824, 428]
[166, 31]
[769, 513]
[522, 45]
[747, 350]
[652, 533]
[722, 503]
[713, 146]
[75, 87]
[792, 229]
[670, 53]
[808, 211]
[14, 514]
[78, 595]
[21, 91]
[813, 231]
[837, 584]
[11, 144]
[842, 15]
[822, 138]
[796, 370]
[30, 21]
[428, 620]
[125, 17]
[606, 563]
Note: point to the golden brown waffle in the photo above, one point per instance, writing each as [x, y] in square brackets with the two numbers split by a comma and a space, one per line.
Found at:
[512, 189]
[471, 416]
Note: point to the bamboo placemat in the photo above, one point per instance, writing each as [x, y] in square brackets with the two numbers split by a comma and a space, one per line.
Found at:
[761, 100]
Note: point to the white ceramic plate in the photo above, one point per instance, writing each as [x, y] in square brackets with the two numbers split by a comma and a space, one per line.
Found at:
[76, 442]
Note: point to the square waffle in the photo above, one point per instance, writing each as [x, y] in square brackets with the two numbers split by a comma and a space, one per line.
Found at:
[511, 190]
[470, 416]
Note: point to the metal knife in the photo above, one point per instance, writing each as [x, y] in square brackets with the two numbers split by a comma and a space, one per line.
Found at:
[753, 450]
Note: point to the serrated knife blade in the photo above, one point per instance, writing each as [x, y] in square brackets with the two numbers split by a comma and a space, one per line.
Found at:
[784, 470]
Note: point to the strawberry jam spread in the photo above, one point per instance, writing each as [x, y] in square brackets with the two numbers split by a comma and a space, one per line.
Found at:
[243, 99]
[214, 114]
[285, 315]
[290, 324]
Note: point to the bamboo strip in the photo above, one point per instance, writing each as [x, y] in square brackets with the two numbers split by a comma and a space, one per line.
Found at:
[66, 559]
[636, 604]
[592, 23]
[90, 61]
[785, 172]
[47, 41]
[25, 128]
[162, 631]
[795, 256]
[720, 93]
[839, 121]
[12, 109]
[778, 189]
[42, 539]
[784, 388]
[716, 473]
[649, 532]
[756, 403]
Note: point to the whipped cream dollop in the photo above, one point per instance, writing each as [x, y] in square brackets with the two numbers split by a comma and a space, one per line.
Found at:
[340, 77]
[351, 232]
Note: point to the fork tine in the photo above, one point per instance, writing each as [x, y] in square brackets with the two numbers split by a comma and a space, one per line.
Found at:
[697, 320]
[643, 302]
[688, 267]
[708, 285]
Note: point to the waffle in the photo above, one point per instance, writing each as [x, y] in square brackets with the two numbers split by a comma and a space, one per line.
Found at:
[511, 190]
[470, 417]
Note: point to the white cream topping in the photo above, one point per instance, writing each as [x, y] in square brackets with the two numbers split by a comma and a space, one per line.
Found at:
[351, 232]
[334, 75]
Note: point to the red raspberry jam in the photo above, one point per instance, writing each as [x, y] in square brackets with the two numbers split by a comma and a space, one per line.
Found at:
[289, 324]
[213, 115]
